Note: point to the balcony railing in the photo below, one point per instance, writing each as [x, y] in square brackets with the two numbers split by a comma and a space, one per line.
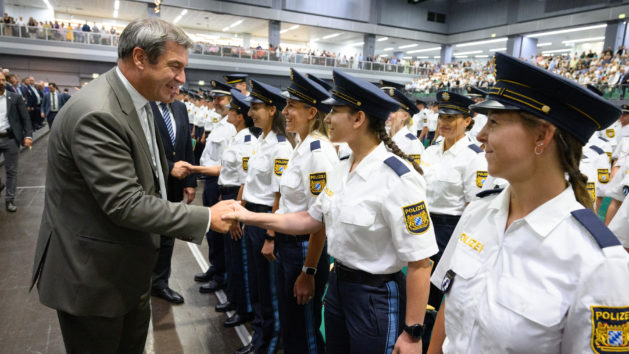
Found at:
[107, 39]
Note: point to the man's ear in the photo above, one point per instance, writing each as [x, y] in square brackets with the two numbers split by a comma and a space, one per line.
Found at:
[139, 58]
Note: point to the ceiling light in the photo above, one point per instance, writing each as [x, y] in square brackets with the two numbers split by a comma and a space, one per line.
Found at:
[115, 13]
[590, 39]
[498, 50]
[424, 57]
[621, 16]
[178, 18]
[469, 44]
[557, 51]
[493, 35]
[235, 23]
[543, 34]
[294, 27]
[544, 44]
[355, 44]
[466, 53]
[331, 36]
[407, 57]
[116, 5]
[460, 56]
[481, 56]
[387, 49]
[437, 56]
[225, 28]
[48, 5]
[423, 50]
[184, 12]
[407, 46]
[382, 39]
[314, 40]
[284, 31]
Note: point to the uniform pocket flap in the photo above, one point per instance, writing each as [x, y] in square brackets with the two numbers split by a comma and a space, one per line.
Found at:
[531, 302]
[357, 215]
[464, 264]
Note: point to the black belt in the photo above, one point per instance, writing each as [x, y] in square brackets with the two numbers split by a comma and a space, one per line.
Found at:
[358, 276]
[444, 218]
[257, 208]
[291, 238]
[228, 190]
[4, 135]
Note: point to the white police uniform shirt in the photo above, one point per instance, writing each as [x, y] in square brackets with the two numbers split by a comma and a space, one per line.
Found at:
[455, 176]
[492, 182]
[216, 142]
[611, 134]
[376, 217]
[622, 139]
[538, 287]
[616, 187]
[417, 123]
[306, 174]
[344, 151]
[587, 166]
[431, 121]
[235, 159]
[267, 163]
[599, 162]
[620, 223]
[409, 144]
[212, 119]
[479, 122]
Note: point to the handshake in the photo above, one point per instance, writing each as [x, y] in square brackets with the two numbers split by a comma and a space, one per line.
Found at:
[182, 169]
[226, 214]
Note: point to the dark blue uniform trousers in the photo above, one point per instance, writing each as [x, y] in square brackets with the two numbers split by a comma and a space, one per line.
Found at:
[299, 323]
[215, 240]
[236, 265]
[363, 318]
[266, 324]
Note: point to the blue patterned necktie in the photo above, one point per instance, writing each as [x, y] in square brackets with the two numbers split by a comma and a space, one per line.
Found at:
[169, 124]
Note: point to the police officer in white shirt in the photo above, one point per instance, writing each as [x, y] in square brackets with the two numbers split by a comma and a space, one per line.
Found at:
[238, 81]
[455, 170]
[302, 260]
[376, 219]
[622, 134]
[399, 122]
[532, 269]
[477, 95]
[261, 194]
[232, 172]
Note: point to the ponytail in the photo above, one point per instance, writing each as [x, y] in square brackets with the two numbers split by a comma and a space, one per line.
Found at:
[377, 126]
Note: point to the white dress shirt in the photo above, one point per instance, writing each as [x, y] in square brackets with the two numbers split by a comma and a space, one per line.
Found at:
[541, 286]
[216, 142]
[4, 113]
[376, 220]
[235, 159]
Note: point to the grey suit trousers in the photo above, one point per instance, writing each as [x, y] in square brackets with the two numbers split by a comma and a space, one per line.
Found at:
[9, 148]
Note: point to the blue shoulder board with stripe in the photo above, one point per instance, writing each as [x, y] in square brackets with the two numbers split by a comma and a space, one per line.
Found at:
[344, 158]
[597, 149]
[475, 148]
[397, 165]
[605, 140]
[314, 145]
[603, 236]
[411, 136]
[487, 192]
[247, 138]
[281, 138]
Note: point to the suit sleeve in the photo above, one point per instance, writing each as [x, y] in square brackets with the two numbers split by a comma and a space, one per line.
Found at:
[190, 181]
[45, 104]
[24, 118]
[101, 149]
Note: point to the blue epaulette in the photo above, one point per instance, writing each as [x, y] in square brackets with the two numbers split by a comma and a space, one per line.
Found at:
[281, 138]
[397, 166]
[475, 148]
[314, 145]
[487, 192]
[597, 149]
[344, 158]
[247, 138]
[603, 236]
[605, 140]
[410, 136]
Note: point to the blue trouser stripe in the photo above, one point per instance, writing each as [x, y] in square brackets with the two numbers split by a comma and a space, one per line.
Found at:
[276, 315]
[393, 315]
[245, 271]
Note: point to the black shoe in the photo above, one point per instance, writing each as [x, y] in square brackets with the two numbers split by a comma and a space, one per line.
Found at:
[237, 320]
[247, 349]
[11, 207]
[204, 277]
[168, 294]
[211, 287]
[224, 307]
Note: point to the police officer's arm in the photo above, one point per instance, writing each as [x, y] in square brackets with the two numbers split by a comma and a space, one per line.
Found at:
[206, 170]
[438, 335]
[417, 289]
[269, 244]
[304, 287]
[294, 223]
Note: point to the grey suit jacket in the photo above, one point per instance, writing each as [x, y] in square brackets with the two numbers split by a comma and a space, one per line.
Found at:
[98, 238]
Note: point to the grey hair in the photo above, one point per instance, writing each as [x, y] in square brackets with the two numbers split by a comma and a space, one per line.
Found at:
[150, 34]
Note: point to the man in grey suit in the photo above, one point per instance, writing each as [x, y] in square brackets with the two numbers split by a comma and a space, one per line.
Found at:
[106, 201]
[15, 130]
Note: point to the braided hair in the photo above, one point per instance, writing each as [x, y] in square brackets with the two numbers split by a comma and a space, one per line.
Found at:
[378, 126]
[569, 151]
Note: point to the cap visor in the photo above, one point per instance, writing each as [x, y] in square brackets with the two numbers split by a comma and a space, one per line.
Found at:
[449, 111]
[491, 104]
[253, 99]
[334, 102]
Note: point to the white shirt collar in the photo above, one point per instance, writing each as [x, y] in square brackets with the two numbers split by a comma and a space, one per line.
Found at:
[304, 145]
[370, 162]
[138, 100]
[400, 133]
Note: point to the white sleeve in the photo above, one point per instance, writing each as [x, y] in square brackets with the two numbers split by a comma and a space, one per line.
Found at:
[283, 151]
[620, 223]
[474, 176]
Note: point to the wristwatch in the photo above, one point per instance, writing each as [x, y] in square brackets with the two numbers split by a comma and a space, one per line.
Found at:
[415, 331]
[309, 270]
[269, 237]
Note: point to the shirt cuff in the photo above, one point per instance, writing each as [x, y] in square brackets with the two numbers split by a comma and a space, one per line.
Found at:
[28, 137]
[209, 220]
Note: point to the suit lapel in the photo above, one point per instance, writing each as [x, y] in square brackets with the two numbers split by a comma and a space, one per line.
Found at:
[127, 107]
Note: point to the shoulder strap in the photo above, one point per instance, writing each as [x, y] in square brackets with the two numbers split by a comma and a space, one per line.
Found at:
[281, 138]
[603, 236]
[597, 149]
[247, 138]
[410, 136]
[487, 192]
[475, 148]
[397, 165]
[314, 145]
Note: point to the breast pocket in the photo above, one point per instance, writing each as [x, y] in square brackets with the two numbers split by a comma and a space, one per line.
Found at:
[358, 216]
[290, 182]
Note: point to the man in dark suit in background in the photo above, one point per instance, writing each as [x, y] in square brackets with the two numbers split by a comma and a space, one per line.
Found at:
[174, 130]
[52, 103]
[15, 130]
[33, 101]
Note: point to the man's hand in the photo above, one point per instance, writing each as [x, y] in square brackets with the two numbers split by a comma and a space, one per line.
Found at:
[28, 142]
[42, 115]
[407, 345]
[267, 250]
[188, 194]
[180, 170]
[223, 207]
[304, 288]
[236, 231]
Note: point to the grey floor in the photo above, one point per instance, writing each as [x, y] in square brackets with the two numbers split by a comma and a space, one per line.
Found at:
[28, 327]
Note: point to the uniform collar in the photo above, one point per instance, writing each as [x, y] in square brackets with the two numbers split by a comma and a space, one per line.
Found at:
[547, 216]
[240, 134]
[371, 162]
[138, 100]
[269, 138]
[402, 132]
[457, 147]
[304, 146]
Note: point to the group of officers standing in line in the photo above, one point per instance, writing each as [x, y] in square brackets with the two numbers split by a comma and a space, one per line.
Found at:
[279, 158]
[519, 264]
